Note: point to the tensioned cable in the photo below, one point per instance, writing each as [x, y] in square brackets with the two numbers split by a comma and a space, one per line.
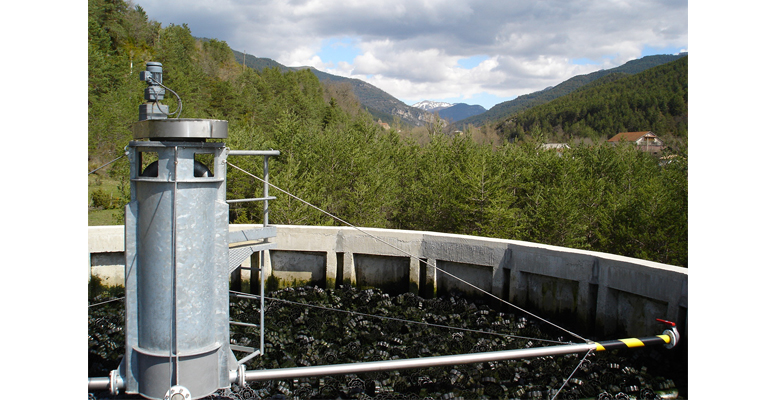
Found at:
[409, 254]
[106, 164]
[107, 301]
[241, 294]
[573, 373]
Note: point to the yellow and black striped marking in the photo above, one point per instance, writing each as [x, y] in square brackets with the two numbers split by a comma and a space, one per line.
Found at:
[633, 342]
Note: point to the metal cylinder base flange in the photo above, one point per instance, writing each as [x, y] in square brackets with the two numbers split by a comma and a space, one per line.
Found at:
[178, 393]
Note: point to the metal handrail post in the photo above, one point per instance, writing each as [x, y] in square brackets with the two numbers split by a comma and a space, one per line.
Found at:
[266, 222]
[262, 254]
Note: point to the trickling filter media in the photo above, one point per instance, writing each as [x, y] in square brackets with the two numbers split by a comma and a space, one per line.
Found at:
[311, 326]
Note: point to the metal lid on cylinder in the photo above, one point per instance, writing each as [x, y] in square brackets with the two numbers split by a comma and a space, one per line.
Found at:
[180, 129]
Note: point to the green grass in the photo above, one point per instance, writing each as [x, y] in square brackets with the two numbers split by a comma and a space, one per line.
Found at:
[99, 216]
[103, 217]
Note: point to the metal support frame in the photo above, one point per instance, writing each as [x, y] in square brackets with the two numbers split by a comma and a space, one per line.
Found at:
[263, 248]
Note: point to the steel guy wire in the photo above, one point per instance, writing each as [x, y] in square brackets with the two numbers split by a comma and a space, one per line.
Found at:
[106, 164]
[246, 295]
[105, 302]
[573, 373]
[411, 255]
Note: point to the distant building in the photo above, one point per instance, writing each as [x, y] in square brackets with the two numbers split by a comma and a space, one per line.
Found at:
[554, 146]
[559, 147]
[384, 125]
[645, 141]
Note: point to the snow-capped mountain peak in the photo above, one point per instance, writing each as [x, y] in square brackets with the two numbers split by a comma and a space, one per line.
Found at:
[432, 106]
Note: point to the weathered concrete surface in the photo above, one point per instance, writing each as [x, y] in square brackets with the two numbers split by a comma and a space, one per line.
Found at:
[600, 293]
[298, 268]
[106, 246]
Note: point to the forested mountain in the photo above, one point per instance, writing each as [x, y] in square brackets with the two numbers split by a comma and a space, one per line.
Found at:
[460, 111]
[507, 108]
[385, 107]
[333, 154]
[259, 63]
[378, 102]
[374, 100]
[652, 100]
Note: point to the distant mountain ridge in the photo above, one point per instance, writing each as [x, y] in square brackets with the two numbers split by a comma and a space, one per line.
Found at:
[378, 102]
[652, 100]
[450, 111]
[507, 108]
[461, 111]
[387, 108]
[432, 106]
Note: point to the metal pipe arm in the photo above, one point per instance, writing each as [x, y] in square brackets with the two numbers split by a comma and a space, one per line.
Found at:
[669, 338]
[98, 384]
[254, 153]
[426, 362]
[410, 363]
[113, 383]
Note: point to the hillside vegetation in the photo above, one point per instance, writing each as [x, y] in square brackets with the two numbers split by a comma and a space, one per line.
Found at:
[380, 104]
[524, 102]
[652, 100]
[335, 156]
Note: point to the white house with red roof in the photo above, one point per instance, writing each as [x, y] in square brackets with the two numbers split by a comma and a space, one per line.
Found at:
[646, 141]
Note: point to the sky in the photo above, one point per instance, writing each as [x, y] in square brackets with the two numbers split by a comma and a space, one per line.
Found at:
[458, 51]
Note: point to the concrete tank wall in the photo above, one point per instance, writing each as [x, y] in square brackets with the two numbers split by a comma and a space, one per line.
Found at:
[598, 293]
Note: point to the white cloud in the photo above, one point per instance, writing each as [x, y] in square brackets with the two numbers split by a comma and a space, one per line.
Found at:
[302, 55]
[410, 48]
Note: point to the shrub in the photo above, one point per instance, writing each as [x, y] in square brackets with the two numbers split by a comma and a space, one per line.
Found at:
[104, 200]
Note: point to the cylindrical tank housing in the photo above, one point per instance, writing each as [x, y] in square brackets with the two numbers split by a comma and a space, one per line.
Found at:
[177, 328]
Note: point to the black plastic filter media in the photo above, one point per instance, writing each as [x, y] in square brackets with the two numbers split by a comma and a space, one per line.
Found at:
[335, 331]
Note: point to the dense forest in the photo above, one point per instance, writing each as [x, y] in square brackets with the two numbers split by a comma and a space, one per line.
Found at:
[334, 155]
[505, 109]
[652, 100]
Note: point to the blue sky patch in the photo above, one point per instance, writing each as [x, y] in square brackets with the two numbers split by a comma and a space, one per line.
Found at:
[651, 51]
[338, 49]
[472, 62]
[584, 61]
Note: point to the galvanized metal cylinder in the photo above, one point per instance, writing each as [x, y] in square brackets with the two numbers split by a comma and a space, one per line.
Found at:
[178, 240]
[177, 330]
